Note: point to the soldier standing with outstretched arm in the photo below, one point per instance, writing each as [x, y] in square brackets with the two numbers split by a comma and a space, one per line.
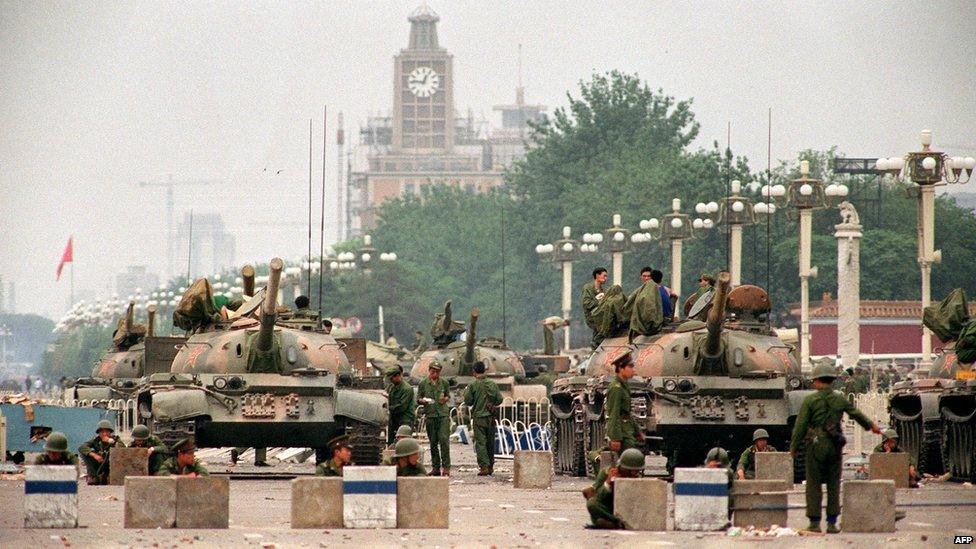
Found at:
[433, 393]
[818, 426]
[621, 430]
[482, 396]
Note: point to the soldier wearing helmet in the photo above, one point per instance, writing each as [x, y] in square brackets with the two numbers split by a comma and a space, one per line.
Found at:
[746, 469]
[56, 451]
[158, 452]
[402, 432]
[184, 462]
[599, 496]
[95, 452]
[818, 426]
[889, 445]
[407, 456]
[341, 456]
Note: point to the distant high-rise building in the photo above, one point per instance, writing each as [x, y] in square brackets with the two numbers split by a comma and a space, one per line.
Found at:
[135, 278]
[510, 139]
[213, 247]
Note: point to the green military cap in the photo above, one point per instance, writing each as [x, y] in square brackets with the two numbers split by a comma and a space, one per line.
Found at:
[184, 446]
[434, 365]
[708, 277]
[889, 434]
[56, 442]
[758, 434]
[632, 459]
[824, 371]
[406, 447]
[393, 371]
[140, 432]
[105, 424]
[626, 358]
[404, 431]
[717, 454]
[341, 441]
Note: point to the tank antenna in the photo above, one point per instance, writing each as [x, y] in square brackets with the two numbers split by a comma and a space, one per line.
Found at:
[189, 251]
[309, 256]
[322, 213]
[504, 318]
[728, 188]
[769, 184]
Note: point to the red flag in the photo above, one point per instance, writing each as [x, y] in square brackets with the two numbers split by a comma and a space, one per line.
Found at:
[66, 257]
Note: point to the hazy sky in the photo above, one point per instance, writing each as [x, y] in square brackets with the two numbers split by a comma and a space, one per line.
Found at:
[95, 97]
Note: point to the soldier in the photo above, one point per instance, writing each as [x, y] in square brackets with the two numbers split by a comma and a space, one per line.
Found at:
[434, 393]
[408, 459]
[746, 469]
[95, 452]
[391, 341]
[705, 284]
[621, 430]
[260, 456]
[301, 307]
[402, 432]
[666, 295]
[141, 438]
[818, 425]
[482, 397]
[326, 326]
[56, 451]
[419, 342]
[591, 296]
[401, 404]
[717, 458]
[183, 463]
[341, 456]
[599, 496]
[889, 445]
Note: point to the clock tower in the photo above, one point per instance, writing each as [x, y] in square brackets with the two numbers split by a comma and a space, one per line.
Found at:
[423, 84]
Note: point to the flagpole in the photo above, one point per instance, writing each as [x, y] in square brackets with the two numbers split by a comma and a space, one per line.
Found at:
[72, 295]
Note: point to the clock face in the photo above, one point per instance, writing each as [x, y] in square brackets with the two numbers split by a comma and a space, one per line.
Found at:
[423, 82]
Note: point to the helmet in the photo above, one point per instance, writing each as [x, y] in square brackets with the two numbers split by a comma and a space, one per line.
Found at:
[105, 424]
[406, 447]
[717, 454]
[758, 434]
[140, 432]
[632, 459]
[824, 371]
[889, 434]
[56, 442]
[404, 431]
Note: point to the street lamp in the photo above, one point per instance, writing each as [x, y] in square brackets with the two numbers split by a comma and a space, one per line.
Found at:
[564, 251]
[617, 241]
[737, 212]
[927, 169]
[675, 227]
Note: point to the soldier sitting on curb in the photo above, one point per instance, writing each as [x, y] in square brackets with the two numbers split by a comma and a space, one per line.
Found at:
[408, 459]
[56, 451]
[184, 462]
[746, 469]
[889, 445]
[599, 496]
[95, 452]
[341, 456]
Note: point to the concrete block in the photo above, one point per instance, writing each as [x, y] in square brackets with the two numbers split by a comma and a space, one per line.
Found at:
[642, 503]
[532, 469]
[423, 502]
[890, 466]
[316, 502]
[701, 499]
[775, 466]
[150, 502]
[868, 506]
[202, 502]
[759, 503]
[51, 496]
[369, 497]
[125, 462]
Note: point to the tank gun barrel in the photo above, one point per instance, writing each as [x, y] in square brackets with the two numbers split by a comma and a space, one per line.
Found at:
[716, 316]
[447, 320]
[471, 338]
[150, 326]
[129, 314]
[269, 308]
[247, 276]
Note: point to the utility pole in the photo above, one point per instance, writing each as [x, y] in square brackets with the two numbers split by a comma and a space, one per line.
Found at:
[340, 184]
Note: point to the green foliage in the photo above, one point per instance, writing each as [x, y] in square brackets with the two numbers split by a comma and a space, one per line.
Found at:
[75, 353]
[29, 335]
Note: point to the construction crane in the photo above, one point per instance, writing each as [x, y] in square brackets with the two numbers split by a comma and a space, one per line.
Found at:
[169, 184]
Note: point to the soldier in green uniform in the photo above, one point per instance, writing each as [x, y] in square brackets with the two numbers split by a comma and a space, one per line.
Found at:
[434, 393]
[599, 496]
[889, 444]
[590, 298]
[818, 426]
[482, 397]
[158, 452]
[341, 456]
[301, 308]
[401, 402]
[183, 463]
[95, 452]
[419, 342]
[746, 469]
[402, 432]
[408, 459]
[56, 451]
[621, 430]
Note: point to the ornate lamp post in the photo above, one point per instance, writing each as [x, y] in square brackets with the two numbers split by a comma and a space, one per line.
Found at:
[564, 251]
[674, 228]
[363, 258]
[617, 243]
[737, 212]
[927, 169]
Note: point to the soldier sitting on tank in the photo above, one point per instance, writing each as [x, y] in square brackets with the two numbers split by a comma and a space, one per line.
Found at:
[746, 469]
[301, 308]
[621, 430]
[158, 452]
[599, 496]
[591, 295]
[667, 296]
[56, 451]
[889, 445]
[184, 462]
[402, 432]
[419, 342]
[341, 456]
[407, 456]
[95, 452]
[326, 326]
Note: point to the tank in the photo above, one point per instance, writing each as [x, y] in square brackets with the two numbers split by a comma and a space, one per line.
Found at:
[262, 383]
[457, 357]
[121, 369]
[698, 385]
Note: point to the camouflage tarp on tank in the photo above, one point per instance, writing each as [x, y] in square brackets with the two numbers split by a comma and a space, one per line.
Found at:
[611, 317]
[196, 309]
[947, 318]
[124, 339]
[445, 329]
[646, 310]
[966, 344]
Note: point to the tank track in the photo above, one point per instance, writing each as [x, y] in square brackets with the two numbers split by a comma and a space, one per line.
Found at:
[959, 446]
[367, 442]
[921, 438]
[569, 441]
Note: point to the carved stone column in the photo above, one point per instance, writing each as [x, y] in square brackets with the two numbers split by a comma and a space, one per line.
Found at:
[848, 234]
